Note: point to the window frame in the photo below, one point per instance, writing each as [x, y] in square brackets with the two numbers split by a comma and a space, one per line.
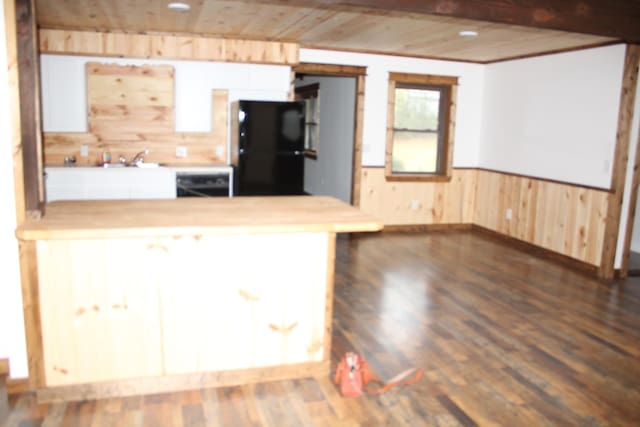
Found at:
[311, 126]
[449, 85]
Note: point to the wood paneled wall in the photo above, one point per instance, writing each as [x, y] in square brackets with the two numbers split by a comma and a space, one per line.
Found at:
[564, 218]
[130, 98]
[131, 110]
[418, 203]
[167, 46]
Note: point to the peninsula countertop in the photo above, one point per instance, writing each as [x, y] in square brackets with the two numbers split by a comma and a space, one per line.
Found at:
[196, 216]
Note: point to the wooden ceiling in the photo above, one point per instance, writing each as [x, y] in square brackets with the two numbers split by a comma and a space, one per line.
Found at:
[409, 27]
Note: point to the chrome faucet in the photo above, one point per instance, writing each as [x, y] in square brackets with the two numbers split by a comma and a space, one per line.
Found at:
[138, 158]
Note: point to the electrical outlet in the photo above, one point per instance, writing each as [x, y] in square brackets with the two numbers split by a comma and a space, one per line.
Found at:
[84, 150]
[219, 151]
[508, 214]
[181, 151]
[415, 205]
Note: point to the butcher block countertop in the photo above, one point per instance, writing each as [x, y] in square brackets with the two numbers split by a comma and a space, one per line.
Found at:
[196, 216]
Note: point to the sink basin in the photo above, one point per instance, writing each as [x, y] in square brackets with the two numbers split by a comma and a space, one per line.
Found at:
[142, 165]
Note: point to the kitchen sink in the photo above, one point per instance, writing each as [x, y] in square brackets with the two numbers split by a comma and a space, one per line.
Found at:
[139, 165]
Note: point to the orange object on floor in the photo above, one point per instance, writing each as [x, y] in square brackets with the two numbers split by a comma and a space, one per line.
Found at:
[353, 374]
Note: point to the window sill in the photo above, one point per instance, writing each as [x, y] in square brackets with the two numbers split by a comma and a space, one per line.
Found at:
[311, 154]
[417, 177]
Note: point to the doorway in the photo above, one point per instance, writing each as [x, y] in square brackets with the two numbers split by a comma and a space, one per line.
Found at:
[333, 164]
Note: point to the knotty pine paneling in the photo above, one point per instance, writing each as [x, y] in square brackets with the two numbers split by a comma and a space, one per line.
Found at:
[167, 46]
[135, 99]
[131, 109]
[327, 24]
[437, 202]
[205, 148]
[564, 218]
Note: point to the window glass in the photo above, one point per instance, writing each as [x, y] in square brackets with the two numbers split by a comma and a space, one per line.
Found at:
[418, 138]
[415, 130]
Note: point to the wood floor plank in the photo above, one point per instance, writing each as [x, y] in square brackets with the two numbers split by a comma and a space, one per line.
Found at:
[503, 337]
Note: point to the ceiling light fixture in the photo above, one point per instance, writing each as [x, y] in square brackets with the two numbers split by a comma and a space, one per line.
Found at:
[468, 33]
[179, 6]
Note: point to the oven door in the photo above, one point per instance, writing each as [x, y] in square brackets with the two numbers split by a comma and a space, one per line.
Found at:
[202, 185]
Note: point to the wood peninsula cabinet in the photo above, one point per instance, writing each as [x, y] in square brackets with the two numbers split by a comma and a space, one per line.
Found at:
[149, 296]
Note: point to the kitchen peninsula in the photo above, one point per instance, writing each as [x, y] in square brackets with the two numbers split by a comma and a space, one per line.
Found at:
[147, 296]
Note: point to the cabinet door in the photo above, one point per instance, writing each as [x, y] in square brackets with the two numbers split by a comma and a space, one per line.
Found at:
[99, 309]
[290, 316]
[245, 301]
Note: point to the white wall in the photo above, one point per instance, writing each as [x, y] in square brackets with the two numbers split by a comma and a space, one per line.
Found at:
[64, 99]
[331, 173]
[554, 116]
[12, 341]
[468, 115]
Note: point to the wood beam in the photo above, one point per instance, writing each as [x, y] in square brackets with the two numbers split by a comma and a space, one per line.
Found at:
[611, 18]
[29, 79]
[620, 161]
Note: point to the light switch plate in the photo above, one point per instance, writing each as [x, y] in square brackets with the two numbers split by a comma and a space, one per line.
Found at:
[181, 151]
[84, 150]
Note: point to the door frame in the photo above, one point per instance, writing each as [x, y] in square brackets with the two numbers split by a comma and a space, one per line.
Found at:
[359, 73]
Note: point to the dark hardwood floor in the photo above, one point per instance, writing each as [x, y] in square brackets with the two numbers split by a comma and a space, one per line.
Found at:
[634, 264]
[504, 338]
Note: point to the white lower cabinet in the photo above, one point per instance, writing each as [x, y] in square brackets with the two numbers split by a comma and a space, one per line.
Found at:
[94, 183]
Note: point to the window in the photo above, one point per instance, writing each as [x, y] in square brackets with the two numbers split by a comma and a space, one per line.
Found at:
[310, 95]
[420, 127]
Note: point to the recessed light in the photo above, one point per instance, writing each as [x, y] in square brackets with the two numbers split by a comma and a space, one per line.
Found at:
[468, 33]
[179, 6]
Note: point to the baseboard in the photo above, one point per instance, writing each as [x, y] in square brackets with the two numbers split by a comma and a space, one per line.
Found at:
[427, 227]
[541, 252]
[181, 382]
[13, 386]
[18, 386]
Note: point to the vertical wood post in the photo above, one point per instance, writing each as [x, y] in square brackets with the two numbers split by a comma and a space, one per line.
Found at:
[29, 72]
[620, 160]
[631, 213]
[357, 146]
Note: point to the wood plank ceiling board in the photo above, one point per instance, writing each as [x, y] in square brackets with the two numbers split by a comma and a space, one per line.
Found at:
[325, 26]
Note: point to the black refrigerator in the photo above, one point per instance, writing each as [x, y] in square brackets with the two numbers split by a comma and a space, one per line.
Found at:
[270, 148]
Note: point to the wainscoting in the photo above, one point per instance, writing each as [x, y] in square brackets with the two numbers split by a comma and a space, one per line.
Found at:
[418, 203]
[564, 218]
